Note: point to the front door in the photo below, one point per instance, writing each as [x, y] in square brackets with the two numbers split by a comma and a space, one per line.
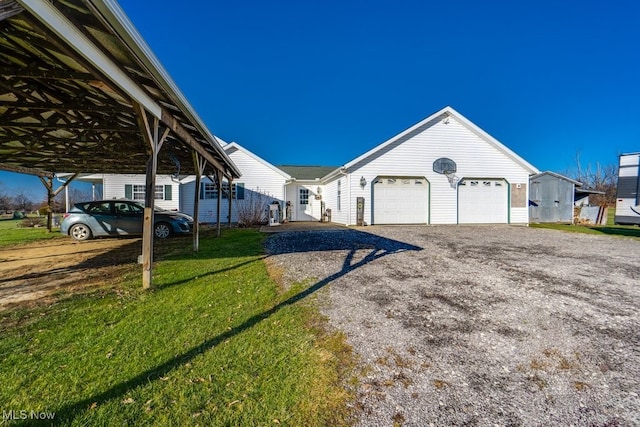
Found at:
[305, 205]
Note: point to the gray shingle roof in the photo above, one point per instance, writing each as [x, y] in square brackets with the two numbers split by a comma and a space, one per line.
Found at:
[307, 172]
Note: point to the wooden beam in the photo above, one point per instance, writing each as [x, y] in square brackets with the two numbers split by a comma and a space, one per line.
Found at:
[199, 164]
[48, 184]
[150, 135]
[230, 198]
[73, 36]
[219, 184]
[32, 73]
[85, 107]
[181, 133]
[28, 171]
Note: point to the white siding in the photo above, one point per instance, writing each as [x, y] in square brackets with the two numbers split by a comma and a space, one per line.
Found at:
[330, 198]
[311, 211]
[414, 155]
[259, 179]
[114, 188]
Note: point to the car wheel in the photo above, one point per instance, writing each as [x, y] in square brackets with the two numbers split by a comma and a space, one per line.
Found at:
[80, 232]
[162, 230]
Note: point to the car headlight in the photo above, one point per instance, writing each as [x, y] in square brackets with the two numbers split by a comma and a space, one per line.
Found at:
[178, 218]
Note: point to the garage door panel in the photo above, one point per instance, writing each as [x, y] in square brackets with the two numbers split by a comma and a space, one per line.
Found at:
[401, 200]
[482, 201]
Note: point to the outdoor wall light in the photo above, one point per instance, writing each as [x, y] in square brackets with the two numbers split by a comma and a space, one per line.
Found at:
[363, 182]
[319, 190]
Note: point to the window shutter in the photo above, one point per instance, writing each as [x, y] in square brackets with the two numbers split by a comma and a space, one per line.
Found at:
[202, 191]
[128, 191]
[240, 190]
[167, 192]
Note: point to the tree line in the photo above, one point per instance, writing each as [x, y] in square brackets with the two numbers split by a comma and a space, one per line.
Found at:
[21, 201]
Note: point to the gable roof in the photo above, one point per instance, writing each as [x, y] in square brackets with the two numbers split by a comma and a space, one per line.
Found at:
[448, 111]
[557, 175]
[307, 172]
[229, 147]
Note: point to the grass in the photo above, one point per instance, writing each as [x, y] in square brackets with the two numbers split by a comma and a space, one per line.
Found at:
[616, 230]
[11, 233]
[216, 342]
[610, 228]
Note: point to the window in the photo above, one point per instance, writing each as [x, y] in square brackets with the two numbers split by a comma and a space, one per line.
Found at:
[486, 183]
[137, 192]
[304, 196]
[209, 190]
[98, 208]
[339, 194]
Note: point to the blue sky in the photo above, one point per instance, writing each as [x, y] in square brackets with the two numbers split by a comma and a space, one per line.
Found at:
[321, 82]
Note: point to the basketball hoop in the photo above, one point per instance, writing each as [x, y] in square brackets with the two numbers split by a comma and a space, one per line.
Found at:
[448, 168]
[453, 179]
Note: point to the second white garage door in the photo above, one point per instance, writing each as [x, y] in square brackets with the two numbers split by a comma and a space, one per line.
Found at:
[482, 201]
[400, 200]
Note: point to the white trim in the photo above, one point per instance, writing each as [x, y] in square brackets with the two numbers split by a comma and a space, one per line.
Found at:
[53, 19]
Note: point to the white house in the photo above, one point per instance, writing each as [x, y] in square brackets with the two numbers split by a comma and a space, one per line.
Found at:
[132, 187]
[260, 183]
[442, 170]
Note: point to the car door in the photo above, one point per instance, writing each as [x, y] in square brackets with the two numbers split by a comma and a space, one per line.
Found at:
[129, 217]
[100, 218]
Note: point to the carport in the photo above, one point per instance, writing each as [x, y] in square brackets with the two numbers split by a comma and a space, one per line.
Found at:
[80, 91]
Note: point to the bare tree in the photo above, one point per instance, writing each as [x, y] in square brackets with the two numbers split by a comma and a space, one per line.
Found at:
[5, 199]
[22, 202]
[76, 196]
[253, 210]
[599, 177]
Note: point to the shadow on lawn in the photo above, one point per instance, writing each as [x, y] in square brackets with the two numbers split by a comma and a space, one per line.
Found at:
[619, 231]
[288, 242]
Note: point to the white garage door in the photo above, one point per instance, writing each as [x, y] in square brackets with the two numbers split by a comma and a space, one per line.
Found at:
[400, 200]
[482, 201]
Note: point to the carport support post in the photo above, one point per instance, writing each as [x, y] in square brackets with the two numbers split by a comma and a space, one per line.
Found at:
[219, 184]
[147, 227]
[230, 201]
[199, 164]
[151, 135]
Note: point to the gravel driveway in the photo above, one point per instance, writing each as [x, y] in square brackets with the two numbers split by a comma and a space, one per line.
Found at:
[487, 325]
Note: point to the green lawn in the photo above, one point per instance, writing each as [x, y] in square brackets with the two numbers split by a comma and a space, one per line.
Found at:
[12, 232]
[216, 342]
[611, 228]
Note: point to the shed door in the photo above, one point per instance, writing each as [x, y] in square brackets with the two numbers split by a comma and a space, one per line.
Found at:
[400, 200]
[482, 201]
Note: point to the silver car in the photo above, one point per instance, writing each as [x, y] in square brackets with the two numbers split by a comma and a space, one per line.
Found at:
[120, 218]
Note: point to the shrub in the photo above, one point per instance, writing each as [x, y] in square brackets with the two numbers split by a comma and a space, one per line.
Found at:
[32, 222]
[253, 209]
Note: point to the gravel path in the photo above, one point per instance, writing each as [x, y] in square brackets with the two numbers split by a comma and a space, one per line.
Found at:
[488, 325]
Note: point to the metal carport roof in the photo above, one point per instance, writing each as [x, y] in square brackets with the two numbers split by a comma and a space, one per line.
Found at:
[80, 91]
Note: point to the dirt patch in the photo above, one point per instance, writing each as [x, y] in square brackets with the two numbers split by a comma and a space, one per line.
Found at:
[37, 271]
